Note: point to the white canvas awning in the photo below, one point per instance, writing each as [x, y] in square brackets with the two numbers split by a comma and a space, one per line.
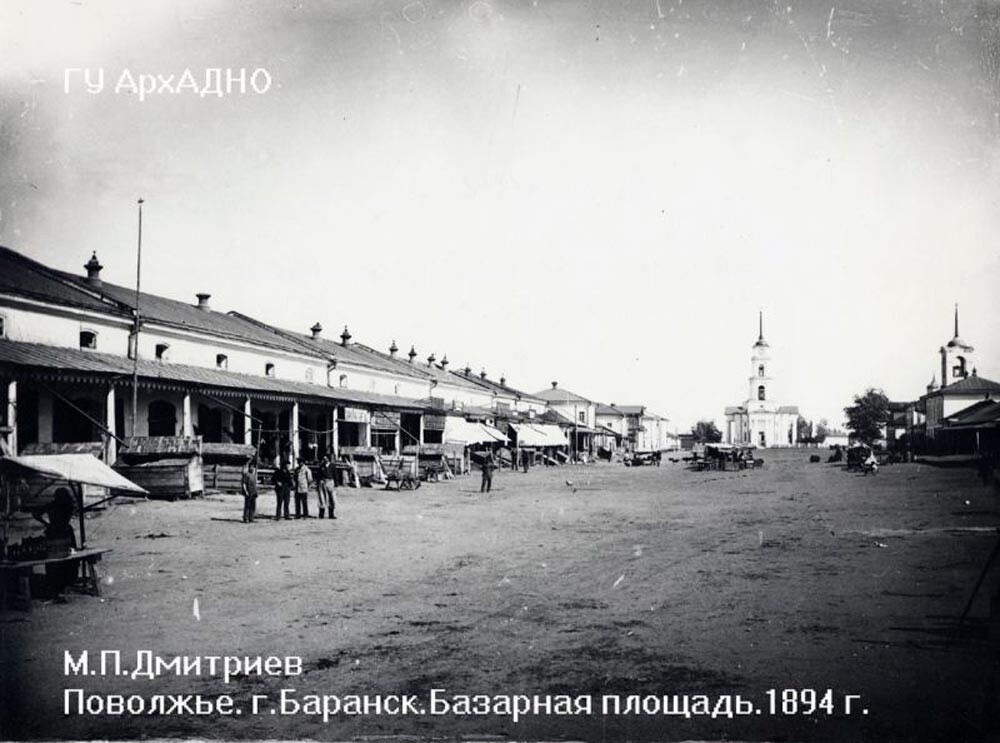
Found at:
[496, 433]
[80, 468]
[539, 434]
[471, 432]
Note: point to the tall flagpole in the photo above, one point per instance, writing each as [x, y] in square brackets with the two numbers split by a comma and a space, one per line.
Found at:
[135, 329]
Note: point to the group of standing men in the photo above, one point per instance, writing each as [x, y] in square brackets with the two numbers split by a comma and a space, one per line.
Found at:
[287, 480]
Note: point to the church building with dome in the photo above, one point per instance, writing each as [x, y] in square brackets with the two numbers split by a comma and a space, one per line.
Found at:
[761, 420]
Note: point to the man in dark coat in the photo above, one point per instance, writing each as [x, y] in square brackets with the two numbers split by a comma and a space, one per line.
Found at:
[249, 487]
[489, 464]
[282, 481]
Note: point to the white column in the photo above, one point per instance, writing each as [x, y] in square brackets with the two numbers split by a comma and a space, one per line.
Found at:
[420, 435]
[12, 416]
[109, 422]
[294, 433]
[187, 427]
[335, 434]
[247, 422]
[399, 448]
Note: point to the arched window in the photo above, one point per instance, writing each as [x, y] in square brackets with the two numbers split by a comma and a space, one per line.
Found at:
[760, 393]
[75, 422]
[760, 370]
[343, 380]
[161, 351]
[268, 369]
[162, 418]
[210, 424]
[958, 371]
[88, 339]
[221, 361]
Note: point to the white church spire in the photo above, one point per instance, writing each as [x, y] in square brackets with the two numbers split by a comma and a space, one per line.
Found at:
[760, 334]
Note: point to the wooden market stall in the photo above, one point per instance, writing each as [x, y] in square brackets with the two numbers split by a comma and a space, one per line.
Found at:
[223, 464]
[58, 551]
[367, 461]
[168, 467]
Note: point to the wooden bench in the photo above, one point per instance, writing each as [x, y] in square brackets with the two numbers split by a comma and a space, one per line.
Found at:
[22, 570]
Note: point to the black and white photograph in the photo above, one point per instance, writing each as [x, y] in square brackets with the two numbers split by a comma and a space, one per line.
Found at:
[500, 370]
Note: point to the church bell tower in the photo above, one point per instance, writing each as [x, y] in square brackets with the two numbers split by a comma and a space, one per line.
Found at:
[956, 358]
[760, 391]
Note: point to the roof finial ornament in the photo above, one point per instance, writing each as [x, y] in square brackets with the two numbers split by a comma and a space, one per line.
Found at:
[956, 319]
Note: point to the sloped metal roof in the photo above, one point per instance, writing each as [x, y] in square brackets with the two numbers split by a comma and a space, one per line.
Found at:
[77, 362]
[558, 394]
[24, 277]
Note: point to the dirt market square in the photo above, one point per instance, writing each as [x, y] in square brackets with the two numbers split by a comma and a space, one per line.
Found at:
[598, 581]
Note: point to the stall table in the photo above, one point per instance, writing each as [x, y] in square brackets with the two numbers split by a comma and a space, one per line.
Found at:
[23, 569]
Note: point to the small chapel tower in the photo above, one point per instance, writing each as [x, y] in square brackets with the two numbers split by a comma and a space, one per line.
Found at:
[956, 358]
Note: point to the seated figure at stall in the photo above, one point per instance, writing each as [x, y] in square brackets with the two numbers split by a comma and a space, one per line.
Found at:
[60, 540]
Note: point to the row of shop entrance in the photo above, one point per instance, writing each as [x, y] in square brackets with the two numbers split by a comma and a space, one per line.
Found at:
[56, 413]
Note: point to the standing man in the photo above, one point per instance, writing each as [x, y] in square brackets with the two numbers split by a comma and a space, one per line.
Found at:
[327, 487]
[525, 460]
[282, 480]
[488, 466]
[249, 488]
[303, 480]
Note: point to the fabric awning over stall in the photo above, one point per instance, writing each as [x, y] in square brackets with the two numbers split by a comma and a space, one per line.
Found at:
[80, 468]
[77, 469]
[539, 434]
[496, 433]
[470, 432]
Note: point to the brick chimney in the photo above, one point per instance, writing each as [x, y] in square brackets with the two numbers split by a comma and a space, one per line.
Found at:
[345, 336]
[203, 301]
[94, 267]
[393, 349]
[316, 330]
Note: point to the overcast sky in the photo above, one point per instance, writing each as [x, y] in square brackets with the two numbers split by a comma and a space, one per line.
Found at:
[599, 193]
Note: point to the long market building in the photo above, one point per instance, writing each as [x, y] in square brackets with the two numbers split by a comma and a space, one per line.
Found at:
[73, 369]
[86, 361]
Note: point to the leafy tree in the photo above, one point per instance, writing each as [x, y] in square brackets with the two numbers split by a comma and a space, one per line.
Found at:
[822, 429]
[706, 432]
[867, 416]
[803, 430]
